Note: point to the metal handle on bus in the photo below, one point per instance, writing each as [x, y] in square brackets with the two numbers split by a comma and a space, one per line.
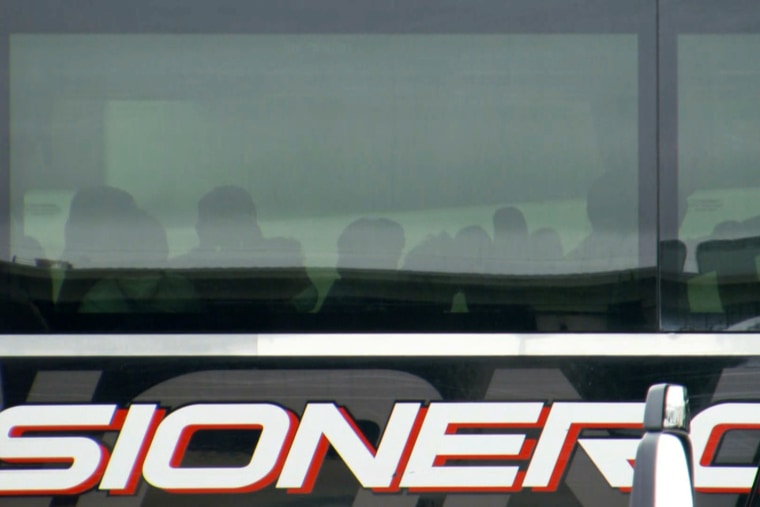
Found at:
[663, 474]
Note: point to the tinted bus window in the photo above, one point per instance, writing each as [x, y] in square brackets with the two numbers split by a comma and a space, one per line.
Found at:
[440, 167]
[718, 77]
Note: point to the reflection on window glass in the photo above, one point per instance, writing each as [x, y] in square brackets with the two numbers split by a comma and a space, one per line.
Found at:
[719, 153]
[368, 170]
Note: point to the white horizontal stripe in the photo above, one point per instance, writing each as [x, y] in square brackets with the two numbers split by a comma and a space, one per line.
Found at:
[382, 345]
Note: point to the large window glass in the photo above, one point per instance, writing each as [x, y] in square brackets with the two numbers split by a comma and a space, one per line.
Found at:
[718, 115]
[428, 174]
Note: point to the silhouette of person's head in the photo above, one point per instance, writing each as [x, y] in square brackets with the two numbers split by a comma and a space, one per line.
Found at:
[509, 225]
[370, 243]
[93, 230]
[227, 219]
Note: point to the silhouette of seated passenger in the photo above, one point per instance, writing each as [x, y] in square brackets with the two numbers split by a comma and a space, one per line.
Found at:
[486, 294]
[93, 229]
[227, 228]
[474, 250]
[430, 267]
[613, 243]
[435, 254]
[510, 241]
[260, 275]
[93, 239]
[474, 255]
[612, 246]
[369, 250]
[294, 290]
[140, 286]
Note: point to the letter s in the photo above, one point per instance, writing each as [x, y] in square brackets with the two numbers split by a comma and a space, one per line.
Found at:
[86, 457]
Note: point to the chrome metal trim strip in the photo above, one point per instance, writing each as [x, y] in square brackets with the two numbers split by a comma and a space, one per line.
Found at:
[382, 345]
